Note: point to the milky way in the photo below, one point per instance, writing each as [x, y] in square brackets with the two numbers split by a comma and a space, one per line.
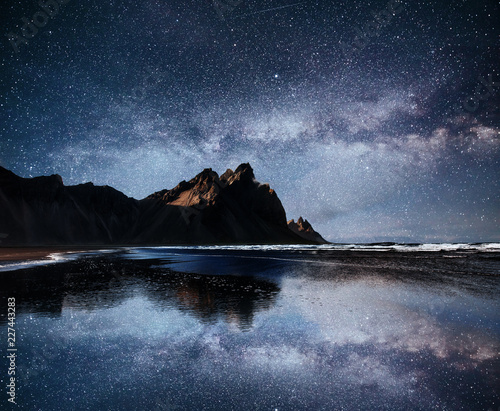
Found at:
[377, 121]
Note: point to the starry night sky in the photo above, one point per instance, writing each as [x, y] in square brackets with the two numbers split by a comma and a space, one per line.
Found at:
[375, 120]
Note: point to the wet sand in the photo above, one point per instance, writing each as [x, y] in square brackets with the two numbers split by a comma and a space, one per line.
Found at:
[37, 253]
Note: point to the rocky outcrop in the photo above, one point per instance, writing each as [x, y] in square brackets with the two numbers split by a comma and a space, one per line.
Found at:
[231, 209]
[304, 229]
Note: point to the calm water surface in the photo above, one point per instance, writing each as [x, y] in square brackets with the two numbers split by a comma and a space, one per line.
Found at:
[263, 328]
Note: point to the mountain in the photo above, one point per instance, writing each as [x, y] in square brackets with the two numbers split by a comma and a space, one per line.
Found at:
[231, 209]
[304, 229]
[42, 210]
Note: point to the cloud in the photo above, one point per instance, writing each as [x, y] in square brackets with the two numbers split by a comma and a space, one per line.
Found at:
[371, 115]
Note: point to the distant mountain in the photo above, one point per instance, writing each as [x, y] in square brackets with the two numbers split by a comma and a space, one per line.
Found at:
[304, 229]
[231, 209]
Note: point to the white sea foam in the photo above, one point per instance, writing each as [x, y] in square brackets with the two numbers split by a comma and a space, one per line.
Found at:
[51, 259]
[429, 247]
[21, 265]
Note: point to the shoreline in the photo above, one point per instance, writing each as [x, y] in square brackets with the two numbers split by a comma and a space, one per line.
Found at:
[30, 253]
[42, 253]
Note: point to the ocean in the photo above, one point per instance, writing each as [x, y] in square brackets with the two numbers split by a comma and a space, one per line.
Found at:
[334, 327]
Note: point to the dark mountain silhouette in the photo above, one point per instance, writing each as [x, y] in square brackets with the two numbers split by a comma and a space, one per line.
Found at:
[304, 229]
[42, 210]
[232, 209]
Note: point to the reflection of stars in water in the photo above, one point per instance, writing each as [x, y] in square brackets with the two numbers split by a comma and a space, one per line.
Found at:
[378, 335]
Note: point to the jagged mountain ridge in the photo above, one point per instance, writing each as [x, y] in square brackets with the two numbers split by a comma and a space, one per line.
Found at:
[304, 229]
[231, 209]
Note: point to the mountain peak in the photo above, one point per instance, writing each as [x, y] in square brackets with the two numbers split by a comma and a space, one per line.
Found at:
[244, 168]
[200, 190]
[304, 229]
[243, 173]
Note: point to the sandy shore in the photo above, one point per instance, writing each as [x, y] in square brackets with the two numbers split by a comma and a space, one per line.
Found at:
[39, 253]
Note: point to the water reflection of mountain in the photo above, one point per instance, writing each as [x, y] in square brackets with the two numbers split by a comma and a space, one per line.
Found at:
[231, 298]
[232, 285]
[106, 281]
